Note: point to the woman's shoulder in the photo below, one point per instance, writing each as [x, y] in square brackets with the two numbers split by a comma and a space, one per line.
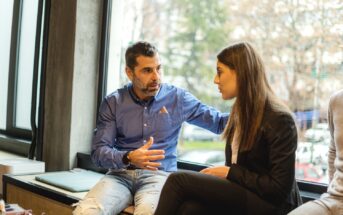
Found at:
[277, 118]
[279, 125]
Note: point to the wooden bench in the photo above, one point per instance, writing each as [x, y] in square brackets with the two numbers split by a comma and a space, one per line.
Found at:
[43, 198]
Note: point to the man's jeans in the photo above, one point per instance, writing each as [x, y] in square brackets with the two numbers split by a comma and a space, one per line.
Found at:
[121, 188]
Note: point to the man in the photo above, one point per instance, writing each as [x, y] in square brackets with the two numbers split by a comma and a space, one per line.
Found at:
[137, 133]
[331, 202]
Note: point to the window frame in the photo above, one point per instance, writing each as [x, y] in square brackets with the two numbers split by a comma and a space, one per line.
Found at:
[11, 129]
[15, 139]
[308, 190]
[104, 53]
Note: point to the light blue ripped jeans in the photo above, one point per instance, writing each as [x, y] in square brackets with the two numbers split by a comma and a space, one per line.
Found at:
[121, 188]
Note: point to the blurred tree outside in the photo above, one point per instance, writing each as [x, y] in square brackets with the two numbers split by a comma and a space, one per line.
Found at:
[300, 42]
[198, 30]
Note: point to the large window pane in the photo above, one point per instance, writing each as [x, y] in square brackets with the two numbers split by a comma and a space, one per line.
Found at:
[6, 10]
[25, 65]
[300, 41]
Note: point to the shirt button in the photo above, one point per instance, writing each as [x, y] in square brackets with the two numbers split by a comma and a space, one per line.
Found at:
[145, 124]
[145, 108]
[144, 141]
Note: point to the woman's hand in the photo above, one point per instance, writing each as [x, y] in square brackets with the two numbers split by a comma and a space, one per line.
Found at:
[219, 171]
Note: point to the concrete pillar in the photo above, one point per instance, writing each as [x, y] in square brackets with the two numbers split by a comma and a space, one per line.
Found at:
[71, 84]
[86, 66]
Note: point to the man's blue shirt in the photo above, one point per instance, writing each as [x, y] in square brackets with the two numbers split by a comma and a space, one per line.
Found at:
[125, 123]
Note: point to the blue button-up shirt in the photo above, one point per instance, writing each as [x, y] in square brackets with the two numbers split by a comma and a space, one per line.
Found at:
[126, 123]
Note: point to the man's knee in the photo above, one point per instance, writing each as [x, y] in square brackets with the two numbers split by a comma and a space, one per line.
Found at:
[145, 209]
[89, 206]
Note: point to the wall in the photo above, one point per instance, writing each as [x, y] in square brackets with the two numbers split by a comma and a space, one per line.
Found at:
[71, 80]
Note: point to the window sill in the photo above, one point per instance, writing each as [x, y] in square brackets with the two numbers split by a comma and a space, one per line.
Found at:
[11, 145]
[308, 191]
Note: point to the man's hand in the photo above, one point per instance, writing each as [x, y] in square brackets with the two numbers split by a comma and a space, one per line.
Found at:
[144, 158]
[219, 171]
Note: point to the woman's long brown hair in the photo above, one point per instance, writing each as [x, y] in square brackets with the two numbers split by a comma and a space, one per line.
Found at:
[254, 93]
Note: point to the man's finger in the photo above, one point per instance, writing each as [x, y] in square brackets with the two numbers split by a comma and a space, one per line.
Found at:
[155, 157]
[151, 168]
[149, 143]
[152, 164]
[155, 152]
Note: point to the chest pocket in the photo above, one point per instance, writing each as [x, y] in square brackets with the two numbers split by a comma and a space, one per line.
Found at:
[163, 122]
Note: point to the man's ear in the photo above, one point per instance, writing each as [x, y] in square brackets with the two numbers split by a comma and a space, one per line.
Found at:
[129, 72]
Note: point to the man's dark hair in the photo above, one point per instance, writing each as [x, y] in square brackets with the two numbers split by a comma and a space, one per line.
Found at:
[137, 49]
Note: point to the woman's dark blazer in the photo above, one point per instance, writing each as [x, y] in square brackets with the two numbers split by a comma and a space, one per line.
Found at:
[268, 168]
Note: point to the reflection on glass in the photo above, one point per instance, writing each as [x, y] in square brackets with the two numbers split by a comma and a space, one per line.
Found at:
[25, 65]
[6, 10]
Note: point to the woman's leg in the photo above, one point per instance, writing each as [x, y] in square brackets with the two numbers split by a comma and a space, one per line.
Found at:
[209, 191]
[197, 208]
[192, 207]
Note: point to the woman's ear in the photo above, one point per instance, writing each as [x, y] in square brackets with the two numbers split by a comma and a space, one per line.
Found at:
[129, 73]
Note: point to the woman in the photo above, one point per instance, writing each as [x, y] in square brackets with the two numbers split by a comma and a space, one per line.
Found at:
[261, 139]
[331, 202]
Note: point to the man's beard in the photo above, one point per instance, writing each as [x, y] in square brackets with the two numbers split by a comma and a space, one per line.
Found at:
[149, 89]
[151, 92]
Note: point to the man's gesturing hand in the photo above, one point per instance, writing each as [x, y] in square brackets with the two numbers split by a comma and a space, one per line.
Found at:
[144, 158]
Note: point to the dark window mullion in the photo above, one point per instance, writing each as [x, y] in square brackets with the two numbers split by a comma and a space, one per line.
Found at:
[13, 65]
[11, 128]
[105, 43]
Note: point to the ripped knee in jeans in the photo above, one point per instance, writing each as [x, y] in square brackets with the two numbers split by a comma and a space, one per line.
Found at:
[88, 206]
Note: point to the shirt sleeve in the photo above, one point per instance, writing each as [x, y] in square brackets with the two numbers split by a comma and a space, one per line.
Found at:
[275, 184]
[197, 113]
[103, 152]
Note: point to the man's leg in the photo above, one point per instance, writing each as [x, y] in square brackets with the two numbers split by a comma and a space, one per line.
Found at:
[149, 186]
[109, 196]
[312, 208]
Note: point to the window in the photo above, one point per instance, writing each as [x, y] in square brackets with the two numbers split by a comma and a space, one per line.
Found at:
[5, 41]
[18, 26]
[25, 64]
[300, 42]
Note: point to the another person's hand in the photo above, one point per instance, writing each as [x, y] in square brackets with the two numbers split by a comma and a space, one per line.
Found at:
[219, 171]
[145, 158]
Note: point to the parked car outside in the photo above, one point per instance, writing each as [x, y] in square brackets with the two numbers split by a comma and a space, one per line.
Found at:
[319, 133]
[312, 152]
[307, 172]
[192, 133]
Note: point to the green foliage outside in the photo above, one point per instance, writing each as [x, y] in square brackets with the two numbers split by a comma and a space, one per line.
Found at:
[202, 145]
[198, 33]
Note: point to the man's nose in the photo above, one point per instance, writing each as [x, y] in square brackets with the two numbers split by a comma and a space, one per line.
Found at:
[156, 75]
